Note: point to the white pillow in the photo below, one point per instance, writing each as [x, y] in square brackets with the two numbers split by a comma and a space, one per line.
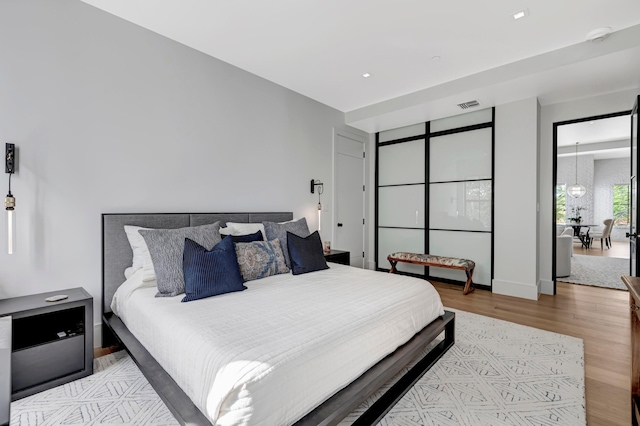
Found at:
[128, 273]
[141, 256]
[138, 246]
[226, 231]
[245, 228]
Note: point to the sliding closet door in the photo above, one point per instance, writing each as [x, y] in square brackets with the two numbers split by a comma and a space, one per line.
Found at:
[460, 192]
[401, 194]
[434, 194]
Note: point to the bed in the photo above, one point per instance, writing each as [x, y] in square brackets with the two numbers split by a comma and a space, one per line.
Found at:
[263, 369]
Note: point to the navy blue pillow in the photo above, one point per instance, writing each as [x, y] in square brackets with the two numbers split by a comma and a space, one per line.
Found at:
[210, 272]
[306, 253]
[249, 238]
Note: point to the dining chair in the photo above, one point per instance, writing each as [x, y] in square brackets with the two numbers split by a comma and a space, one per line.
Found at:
[604, 235]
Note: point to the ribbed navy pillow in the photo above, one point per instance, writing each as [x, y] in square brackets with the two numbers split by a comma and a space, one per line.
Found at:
[210, 272]
[249, 238]
[306, 253]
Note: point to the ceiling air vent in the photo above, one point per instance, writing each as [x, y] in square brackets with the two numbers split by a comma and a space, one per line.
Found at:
[470, 104]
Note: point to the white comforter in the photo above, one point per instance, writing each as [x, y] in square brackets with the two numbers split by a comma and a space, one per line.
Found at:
[270, 354]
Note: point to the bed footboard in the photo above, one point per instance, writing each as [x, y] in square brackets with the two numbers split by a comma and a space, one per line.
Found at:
[340, 405]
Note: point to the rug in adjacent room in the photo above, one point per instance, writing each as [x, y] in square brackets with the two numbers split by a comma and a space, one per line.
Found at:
[497, 373]
[598, 271]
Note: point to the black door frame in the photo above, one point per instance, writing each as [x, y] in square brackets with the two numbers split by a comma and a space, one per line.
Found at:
[555, 179]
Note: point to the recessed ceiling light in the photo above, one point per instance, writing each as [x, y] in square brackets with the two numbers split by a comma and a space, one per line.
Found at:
[366, 75]
[521, 14]
[435, 58]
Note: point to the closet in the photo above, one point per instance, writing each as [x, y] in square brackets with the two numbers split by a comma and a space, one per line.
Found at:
[434, 194]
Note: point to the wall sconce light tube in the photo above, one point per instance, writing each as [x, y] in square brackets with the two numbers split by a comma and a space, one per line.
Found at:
[9, 200]
[320, 185]
[11, 230]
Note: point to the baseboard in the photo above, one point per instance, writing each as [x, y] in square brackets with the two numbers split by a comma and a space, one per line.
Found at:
[370, 264]
[511, 288]
[546, 287]
[97, 335]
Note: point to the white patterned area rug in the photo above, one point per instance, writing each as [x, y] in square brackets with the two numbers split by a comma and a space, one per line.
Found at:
[497, 373]
[116, 394]
[598, 271]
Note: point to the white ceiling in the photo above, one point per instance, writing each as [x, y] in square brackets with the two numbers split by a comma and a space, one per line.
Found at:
[588, 132]
[604, 139]
[321, 48]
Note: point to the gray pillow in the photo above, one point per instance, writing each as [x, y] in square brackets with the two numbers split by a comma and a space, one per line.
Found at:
[279, 230]
[166, 247]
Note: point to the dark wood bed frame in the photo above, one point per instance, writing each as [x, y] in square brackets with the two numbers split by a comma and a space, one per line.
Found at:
[330, 412]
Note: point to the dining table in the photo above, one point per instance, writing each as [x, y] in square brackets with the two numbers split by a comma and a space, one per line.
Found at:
[577, 231]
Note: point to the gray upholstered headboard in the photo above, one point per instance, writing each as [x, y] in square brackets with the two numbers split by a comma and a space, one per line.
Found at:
[116, 251]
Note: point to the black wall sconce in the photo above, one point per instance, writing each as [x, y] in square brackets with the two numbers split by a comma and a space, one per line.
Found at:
[9, 200]
[320, 185]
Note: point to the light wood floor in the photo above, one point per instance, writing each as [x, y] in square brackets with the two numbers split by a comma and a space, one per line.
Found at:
[598, 316]
[618, 249]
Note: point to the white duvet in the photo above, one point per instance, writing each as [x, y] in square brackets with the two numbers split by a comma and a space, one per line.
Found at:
[270, 354]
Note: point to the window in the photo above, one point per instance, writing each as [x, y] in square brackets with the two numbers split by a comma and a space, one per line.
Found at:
[621, 205]
[561, 203]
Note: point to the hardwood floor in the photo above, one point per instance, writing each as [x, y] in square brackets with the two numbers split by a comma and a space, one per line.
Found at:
[599, 316]
[618, 249]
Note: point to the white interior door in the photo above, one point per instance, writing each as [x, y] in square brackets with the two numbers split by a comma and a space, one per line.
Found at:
[349, 198]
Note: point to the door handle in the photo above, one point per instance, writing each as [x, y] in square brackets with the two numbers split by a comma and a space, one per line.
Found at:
[339, 225]
[634, 235]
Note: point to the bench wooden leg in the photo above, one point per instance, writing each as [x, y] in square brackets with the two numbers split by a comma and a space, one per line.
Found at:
[393, 266]
[468, 287]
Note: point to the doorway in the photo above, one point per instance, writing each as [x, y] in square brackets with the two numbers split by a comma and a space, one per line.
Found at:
[349, 210]
[592, 208]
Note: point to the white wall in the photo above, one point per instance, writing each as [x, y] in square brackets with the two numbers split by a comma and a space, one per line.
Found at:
[607, 174]
[110, 117]
[515, 199]
[579, 108]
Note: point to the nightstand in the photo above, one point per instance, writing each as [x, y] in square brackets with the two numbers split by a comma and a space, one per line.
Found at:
[52, 341]
[338, 256]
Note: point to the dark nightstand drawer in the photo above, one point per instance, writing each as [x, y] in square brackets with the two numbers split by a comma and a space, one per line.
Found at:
[338, 256]
[46, 362]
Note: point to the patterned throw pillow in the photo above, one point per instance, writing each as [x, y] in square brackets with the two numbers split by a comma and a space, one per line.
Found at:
[260, 259]
[166, 247]
[279, 230]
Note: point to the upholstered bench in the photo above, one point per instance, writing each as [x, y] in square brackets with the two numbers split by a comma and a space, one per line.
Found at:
[438, 261]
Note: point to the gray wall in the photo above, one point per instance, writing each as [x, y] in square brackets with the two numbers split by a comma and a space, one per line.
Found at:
[110, 117]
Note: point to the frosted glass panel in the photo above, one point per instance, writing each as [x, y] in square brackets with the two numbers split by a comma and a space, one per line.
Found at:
[461, 205]
[460, 156]
[401, 163]
[401, 206]
[402, 132]
[393, 240]
[474, 246]
[462, 120]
